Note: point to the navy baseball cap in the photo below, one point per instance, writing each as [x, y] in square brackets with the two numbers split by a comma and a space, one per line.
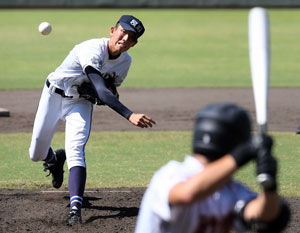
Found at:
[130, 23]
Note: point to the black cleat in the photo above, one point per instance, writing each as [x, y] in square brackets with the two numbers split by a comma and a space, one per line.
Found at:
[74, 217]
[57, 169]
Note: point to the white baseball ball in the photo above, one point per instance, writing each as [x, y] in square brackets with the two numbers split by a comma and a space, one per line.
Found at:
[45, 28]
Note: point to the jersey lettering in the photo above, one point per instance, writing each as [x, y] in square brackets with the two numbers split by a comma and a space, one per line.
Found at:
[97, 62]
[111, 75]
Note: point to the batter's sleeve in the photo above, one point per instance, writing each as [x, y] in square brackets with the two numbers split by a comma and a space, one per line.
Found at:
[243, 195]
[163, 181]
[104, 94]
[242, 192]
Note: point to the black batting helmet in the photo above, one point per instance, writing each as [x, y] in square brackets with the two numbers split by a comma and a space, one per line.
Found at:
[219, 128]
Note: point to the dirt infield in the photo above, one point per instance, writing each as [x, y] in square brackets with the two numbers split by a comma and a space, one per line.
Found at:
[173, 109]
[104, 211]
[115, 210]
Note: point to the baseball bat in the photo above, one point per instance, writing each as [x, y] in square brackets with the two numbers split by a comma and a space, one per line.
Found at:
[259, 52]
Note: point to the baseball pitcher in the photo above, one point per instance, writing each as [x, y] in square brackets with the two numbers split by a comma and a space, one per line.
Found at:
[90, 74]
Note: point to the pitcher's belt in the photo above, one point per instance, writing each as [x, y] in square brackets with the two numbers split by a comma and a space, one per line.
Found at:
[58, 91]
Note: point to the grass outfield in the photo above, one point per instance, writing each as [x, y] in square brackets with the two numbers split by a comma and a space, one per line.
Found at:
[129, 159]
[180, 48]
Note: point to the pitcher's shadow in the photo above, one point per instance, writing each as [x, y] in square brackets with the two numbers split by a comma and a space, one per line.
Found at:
[122, 212]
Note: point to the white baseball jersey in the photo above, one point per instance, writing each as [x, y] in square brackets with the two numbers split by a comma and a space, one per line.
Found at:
[213, 214]
[93, 53]
[75, 111]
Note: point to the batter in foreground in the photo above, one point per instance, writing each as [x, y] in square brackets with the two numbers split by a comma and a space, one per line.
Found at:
[200, 195]
[89, 75]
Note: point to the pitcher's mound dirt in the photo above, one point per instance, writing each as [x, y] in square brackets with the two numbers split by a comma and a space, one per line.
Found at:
[104, 210]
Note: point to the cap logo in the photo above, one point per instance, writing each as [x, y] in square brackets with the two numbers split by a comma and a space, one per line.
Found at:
[136, 25]
[133, 22]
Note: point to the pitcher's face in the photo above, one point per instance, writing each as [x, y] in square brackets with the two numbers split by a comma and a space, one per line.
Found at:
[121, 40]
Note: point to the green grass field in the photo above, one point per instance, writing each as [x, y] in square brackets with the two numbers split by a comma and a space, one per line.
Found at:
[129, 159]
[180, 48]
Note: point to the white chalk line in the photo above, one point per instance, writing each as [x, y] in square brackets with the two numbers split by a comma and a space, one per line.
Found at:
[88, 191]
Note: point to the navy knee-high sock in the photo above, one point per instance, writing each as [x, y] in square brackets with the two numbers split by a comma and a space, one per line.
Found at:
[77, 178]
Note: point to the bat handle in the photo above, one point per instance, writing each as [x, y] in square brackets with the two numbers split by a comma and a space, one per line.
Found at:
[262, 128]
[264, 179]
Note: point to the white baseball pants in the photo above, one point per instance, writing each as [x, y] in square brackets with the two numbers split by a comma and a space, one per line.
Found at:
[77, 113]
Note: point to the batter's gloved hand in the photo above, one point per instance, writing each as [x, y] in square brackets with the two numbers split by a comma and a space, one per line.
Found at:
[263, 142]
[266, 169]
[244, 152]
[249, 150]
[266, 164]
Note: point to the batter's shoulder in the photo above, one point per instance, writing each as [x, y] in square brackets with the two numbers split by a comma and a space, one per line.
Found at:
[172, 166]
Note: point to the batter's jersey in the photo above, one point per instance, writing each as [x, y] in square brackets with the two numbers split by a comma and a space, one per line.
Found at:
[93, 53]
[213, 214]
